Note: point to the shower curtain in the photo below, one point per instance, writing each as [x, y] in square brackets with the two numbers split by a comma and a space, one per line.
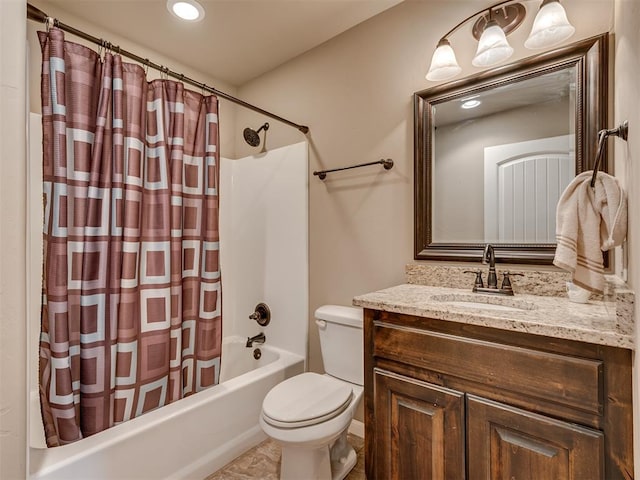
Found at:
[131, 305]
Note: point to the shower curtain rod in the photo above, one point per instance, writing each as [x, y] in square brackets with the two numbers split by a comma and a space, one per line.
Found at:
[34, 13]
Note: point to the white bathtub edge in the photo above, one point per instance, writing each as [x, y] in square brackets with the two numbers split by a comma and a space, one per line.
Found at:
[66, 462]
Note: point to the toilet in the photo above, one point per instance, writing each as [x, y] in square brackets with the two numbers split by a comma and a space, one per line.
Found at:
[308, 415]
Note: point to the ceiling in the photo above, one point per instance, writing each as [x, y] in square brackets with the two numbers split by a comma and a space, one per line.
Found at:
[238, 39]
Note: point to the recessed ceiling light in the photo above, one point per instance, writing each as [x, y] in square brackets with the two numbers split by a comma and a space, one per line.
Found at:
[189, 10]
[471, 104]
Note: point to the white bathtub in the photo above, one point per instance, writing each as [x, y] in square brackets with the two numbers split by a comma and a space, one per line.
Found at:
[190, 438]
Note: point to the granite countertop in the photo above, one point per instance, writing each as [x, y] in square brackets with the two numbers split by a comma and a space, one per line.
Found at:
[600, 322]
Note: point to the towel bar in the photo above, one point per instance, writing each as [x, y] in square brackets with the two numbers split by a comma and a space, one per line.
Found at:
[622, 131]
[386, 163]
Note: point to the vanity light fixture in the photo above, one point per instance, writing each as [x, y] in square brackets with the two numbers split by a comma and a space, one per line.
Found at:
[188, 10]
[491, 28]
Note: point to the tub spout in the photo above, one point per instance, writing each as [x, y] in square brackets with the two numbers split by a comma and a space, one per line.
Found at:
[260, 338]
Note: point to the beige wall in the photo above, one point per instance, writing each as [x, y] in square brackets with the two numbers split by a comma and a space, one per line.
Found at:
[355, 93]
[627, 158]
[13, 266]
[227, 109]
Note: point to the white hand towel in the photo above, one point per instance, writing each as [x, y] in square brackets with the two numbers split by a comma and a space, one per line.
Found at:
[588, 222]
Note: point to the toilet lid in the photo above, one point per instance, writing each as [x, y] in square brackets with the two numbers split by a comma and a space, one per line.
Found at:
[306, 399]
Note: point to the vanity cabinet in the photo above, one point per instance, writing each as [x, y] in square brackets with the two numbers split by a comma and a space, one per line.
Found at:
[446, 400]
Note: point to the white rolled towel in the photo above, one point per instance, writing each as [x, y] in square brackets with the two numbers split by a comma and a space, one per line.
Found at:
[588, 222]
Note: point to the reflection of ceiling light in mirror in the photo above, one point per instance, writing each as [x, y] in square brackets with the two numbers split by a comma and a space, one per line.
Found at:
[471, 104]
[189, 10]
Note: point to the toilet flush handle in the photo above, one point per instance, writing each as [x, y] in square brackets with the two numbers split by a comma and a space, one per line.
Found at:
[321, 324]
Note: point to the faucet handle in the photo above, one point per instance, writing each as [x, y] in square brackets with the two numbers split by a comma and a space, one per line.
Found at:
[506, 280]
[478, 283]
[262, 314]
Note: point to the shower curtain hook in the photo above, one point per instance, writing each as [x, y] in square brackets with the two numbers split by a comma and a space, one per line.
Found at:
[102, 49]
[49, 23]
[146, 67]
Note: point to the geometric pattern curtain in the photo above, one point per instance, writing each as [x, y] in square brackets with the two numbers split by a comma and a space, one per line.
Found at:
[131, 309]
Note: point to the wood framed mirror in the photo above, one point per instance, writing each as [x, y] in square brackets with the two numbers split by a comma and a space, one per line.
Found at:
[494, 173]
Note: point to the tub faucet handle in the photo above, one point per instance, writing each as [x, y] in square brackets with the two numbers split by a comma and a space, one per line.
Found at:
[261, 314]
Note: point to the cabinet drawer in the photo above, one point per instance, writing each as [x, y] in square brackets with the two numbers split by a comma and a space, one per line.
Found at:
[565, 380]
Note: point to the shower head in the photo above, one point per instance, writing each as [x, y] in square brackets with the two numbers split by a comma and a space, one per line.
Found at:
[251, 135]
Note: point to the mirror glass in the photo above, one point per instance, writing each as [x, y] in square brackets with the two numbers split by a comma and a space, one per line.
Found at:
[494, 152]
[517, 157]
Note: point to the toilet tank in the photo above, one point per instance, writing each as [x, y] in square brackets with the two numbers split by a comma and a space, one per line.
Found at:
[341, 341]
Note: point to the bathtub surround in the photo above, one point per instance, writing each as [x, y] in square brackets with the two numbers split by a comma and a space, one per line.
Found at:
[264, 243]
[131, 187]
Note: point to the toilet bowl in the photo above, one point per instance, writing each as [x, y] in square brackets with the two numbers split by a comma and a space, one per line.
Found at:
[309, 415]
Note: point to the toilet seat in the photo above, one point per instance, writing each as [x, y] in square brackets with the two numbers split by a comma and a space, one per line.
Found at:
[306, 399]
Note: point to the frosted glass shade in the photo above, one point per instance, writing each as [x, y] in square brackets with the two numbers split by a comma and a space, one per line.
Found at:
[550, 27]
[493, 47]
[443, 63]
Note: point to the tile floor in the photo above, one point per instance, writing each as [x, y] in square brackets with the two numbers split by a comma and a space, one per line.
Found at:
[263, 462]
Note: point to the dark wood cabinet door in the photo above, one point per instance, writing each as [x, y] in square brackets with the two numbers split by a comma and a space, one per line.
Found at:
[419, 429]
[507, 443]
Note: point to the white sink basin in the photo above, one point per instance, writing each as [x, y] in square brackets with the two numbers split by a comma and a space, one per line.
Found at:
[484, 302]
